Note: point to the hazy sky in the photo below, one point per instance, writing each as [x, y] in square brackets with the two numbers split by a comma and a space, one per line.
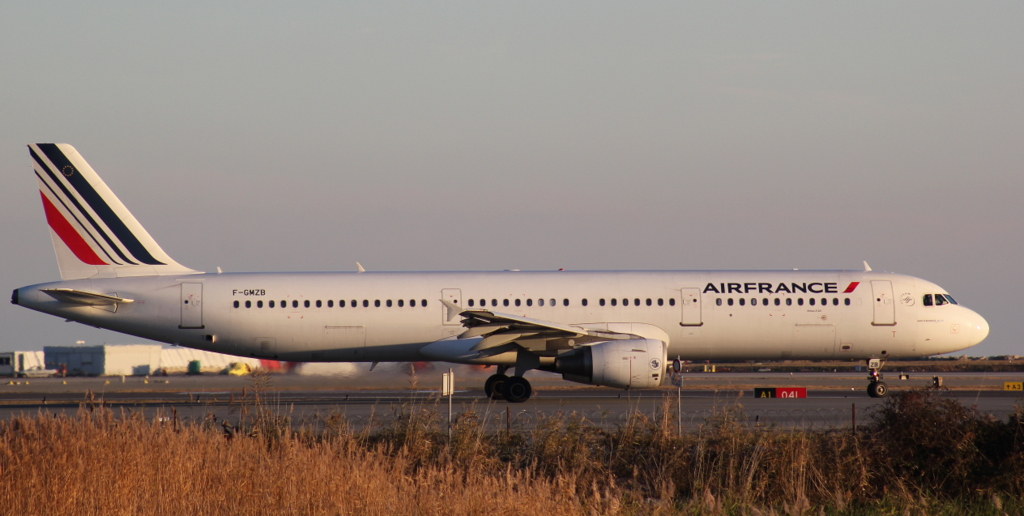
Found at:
[532, 135]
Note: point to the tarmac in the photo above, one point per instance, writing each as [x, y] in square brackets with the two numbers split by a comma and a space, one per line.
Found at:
[834, 400]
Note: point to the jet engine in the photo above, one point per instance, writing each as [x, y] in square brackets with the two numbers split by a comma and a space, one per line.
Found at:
[638, 363]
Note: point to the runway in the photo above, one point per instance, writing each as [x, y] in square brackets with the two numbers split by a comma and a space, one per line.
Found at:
[833, 400]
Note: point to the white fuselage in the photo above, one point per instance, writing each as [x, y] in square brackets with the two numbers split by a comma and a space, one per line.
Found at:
[399, 316]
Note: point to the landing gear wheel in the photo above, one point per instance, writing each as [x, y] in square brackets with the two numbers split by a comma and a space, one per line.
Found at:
[878, 389]
[493, 387]
[517, 389]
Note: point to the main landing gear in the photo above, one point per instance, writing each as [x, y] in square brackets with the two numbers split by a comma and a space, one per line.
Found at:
[876, 388]
[514, 389]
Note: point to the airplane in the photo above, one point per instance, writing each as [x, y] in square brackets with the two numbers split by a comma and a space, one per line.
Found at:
[608, 328]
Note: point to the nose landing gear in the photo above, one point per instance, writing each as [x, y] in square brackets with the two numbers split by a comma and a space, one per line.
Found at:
[876, 388]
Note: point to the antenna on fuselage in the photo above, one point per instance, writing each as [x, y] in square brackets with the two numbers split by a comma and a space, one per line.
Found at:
[867, 268]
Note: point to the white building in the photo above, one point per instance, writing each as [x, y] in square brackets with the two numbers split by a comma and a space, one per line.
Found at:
[136, 360]
[132, 359]
[21, 363]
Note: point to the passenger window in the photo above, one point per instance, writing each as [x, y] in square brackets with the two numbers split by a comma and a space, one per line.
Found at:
[529, 302]
[753, 302]
[565, 302]
[824, 301]
[553, 301]
[483, 303]
[295, 303]
[789, 301]
[636, 302]
[388, 302]
[401, 303]
[376, 303]
[800, 301]
[810, 301]
[649, 303]
[366, 303]
[600, 301]
[764, 301]
[494, 302]
[846, 301]
[319, 304]
[355, 303]
[743, 301]
[412, 303]
[471, 301]
[615, 302]
[284, 304]
[540, 302]
[672, 301]
[248, 304]
[661, 302]
[835, 301]
[504, 302]
[730, 301]
[718, 302]
[583, 301]
[927, 300]
[519, 302]
[330, 303]
[236, 304]
[259, 304]
[625, 302]
[423, 303]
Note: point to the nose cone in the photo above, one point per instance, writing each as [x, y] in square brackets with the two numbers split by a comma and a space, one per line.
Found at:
[979, 329]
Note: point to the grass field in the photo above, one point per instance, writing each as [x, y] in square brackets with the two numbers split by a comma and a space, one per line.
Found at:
[920, 454]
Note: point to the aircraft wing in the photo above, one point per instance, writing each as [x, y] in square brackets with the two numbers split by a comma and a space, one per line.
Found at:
[498, 329]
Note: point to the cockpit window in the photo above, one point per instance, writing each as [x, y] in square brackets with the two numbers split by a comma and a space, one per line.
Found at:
[950, 299]
[927, 300]
[940, 300]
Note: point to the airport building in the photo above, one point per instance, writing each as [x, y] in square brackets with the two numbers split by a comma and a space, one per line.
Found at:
[133, 359]
[22, 363]
[137, 360]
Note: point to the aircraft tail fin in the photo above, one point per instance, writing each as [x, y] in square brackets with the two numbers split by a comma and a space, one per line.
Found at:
[93, 234]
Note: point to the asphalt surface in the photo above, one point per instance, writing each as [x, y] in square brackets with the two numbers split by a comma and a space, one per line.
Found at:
[833, 399]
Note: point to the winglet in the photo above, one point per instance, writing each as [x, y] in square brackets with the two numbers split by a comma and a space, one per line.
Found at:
[359, 267]
[453, 309]
[867, 268]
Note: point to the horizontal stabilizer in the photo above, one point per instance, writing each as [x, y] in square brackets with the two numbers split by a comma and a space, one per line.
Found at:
[81, 297]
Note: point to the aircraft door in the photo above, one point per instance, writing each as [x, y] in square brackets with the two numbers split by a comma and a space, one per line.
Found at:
[455, 296]
[191, 305]
[884, 303]
[691, 315]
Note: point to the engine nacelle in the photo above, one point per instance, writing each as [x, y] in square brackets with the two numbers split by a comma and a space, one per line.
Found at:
[638, 363]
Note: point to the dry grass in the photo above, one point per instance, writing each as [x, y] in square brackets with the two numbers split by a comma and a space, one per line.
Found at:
[921, 455]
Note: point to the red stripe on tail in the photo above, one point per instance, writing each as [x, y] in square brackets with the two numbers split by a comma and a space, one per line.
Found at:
[67, 233]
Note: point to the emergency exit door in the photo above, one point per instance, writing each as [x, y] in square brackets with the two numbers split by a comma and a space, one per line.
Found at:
[191, 305]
